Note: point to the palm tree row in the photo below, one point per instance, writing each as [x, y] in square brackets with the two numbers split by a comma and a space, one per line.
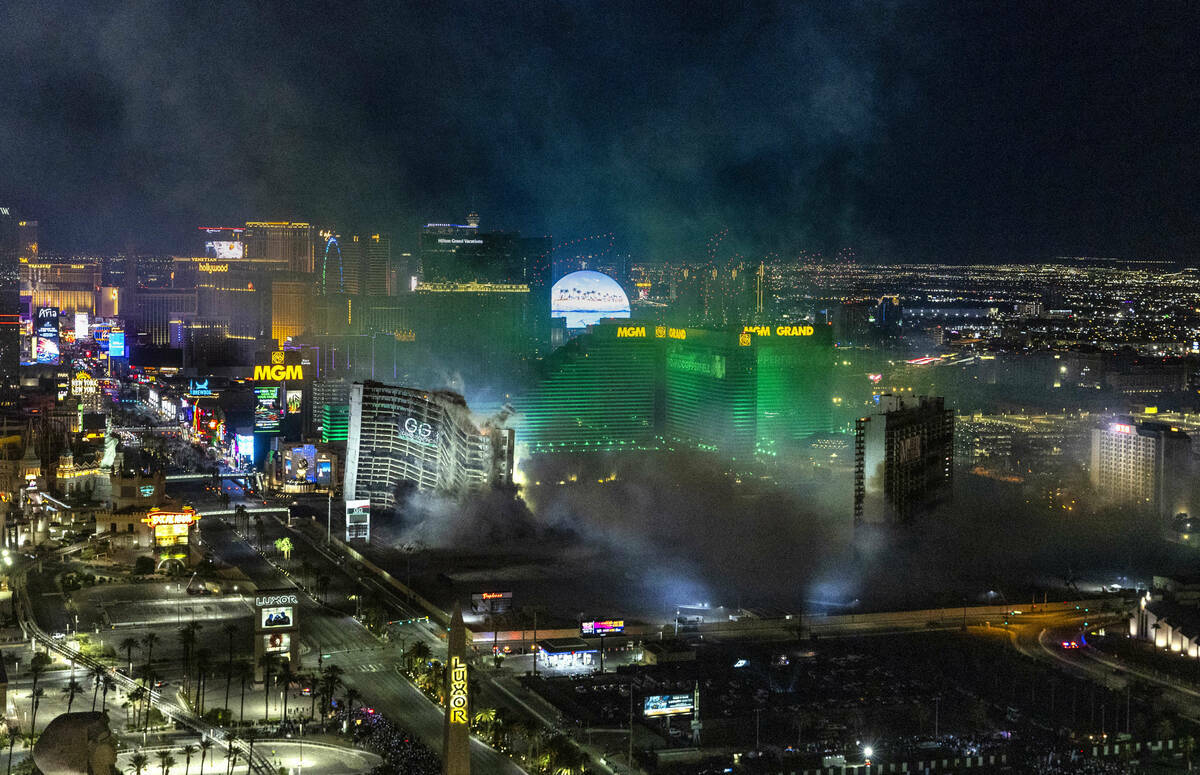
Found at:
[166, 758]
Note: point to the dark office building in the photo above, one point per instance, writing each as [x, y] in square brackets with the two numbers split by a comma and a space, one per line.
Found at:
[903, 459]
[461, 253]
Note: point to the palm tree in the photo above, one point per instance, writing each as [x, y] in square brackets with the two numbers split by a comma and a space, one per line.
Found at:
[109, 684]
[484, 721]
[331, 679]
[239, 516]
[139, 761]
[165, 760]
[135, 698]
[418, 653]
[230, 629]
[205, 746]
[98, 674]
[14, 731]
[260, 530]
[287, 679]
[71, 689]
[129, 644]
[148, 640]
[250, 753]
[187, 639]
[245, 673]
[230, 754]
[351, 696]
[267, 662]
[36, 698]
[202, 661]
[322, 586]
[187, 752]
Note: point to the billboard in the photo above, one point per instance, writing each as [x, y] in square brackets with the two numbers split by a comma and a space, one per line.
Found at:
[491, 602]
[116, 344]
[301, 463]
[667, 705]
[358, 520]
[81, 326]
[244, 443]
[277, 643]
[224, 249]
[602, 628]
[267, 411]
[277, 617]
[324, 472]
[45, 332]
[294, 400]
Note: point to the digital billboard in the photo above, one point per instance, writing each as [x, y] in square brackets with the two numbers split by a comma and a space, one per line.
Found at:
[667, 705]
[605, 627]
[267, 411]
[586, 297]
[244, 445]
[81, 326]
[358, 520]
[224, 249]
[46, 335]
[116, 344]
[324, 472]
[294, 400]
[278, 617]
[302, 463]
[491, 602]
[277, 643]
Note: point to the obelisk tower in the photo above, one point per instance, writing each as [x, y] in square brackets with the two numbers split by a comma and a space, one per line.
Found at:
[456, 741]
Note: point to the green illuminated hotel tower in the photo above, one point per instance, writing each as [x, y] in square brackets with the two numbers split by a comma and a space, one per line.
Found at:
[738, 393]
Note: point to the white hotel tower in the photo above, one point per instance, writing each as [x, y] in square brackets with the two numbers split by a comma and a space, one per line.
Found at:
[429, 439]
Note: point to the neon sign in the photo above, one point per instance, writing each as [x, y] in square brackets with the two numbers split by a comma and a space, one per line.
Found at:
[779, 330]
[157, 517]
[631, 332]
[277, 373]
[1121, 428]
[457, 700]
[602, 628]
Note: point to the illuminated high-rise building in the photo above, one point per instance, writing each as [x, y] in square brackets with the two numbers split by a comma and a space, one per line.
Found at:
[747, 393]
[1143, 464]
[600, 391]
[634, 385]
[10, 307]
[291, 308]
[291, 244]
[376, 264]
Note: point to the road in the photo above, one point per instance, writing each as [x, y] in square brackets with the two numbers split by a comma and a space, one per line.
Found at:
[369, 667]
[1040, 637]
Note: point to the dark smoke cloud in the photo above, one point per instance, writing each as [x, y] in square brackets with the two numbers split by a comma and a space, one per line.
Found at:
[642, 534]
[905, 129]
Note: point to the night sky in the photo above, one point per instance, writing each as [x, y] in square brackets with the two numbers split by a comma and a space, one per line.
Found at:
[930, 131]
